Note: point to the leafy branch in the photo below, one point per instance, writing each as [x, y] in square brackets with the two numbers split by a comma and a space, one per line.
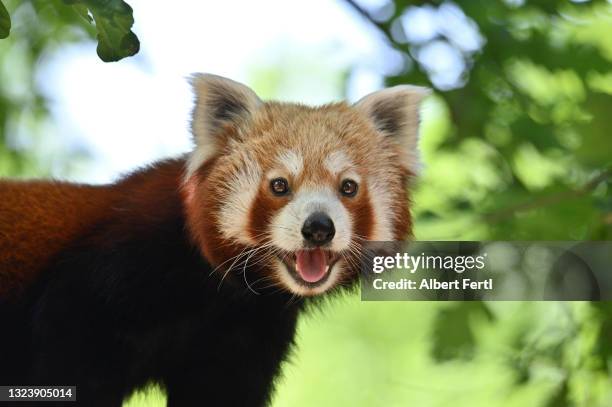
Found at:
[113, 20]
[382, 27]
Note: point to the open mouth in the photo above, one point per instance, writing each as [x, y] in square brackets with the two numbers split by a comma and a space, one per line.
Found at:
[310, 267]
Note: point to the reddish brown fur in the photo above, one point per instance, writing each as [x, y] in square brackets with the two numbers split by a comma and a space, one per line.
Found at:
[40, 218]
[361, 212]
[264, 208]
[201, 207]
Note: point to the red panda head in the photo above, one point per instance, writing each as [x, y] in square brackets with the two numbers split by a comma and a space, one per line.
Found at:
[288, 194]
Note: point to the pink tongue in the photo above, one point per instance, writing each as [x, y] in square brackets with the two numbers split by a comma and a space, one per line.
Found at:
[311, 264]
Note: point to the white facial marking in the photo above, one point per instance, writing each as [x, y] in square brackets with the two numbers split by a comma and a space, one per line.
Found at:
[292, 161]
[338, 162]
[380, 200]
[286, 227]
[234, 214]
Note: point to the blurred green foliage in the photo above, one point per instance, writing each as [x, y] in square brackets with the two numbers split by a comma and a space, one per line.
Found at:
[40, 27]
[525, 132]
[517, 146]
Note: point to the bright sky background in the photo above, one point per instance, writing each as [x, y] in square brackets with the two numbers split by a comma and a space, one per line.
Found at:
[133, 112]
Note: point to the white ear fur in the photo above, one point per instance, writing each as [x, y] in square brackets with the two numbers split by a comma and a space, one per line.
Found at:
[395, 112]
[218, 101]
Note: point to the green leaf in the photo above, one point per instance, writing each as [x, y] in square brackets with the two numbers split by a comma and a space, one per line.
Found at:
[5, 22]
[113, 20]
[83, 12]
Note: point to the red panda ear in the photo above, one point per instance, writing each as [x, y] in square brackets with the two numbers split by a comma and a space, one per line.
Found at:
[218, 101]
[395, 112]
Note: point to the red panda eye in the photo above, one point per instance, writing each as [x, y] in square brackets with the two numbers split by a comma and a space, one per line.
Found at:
[279, 186]
[349, 188]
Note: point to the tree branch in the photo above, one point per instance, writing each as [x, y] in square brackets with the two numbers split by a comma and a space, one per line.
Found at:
[381, 27]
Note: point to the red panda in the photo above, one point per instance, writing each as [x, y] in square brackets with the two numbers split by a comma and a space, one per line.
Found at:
[185, 273]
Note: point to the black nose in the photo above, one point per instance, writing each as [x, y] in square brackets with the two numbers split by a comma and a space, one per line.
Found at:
[318, 229]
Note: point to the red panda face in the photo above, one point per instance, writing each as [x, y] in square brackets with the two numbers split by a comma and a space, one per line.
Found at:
[286, 194]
